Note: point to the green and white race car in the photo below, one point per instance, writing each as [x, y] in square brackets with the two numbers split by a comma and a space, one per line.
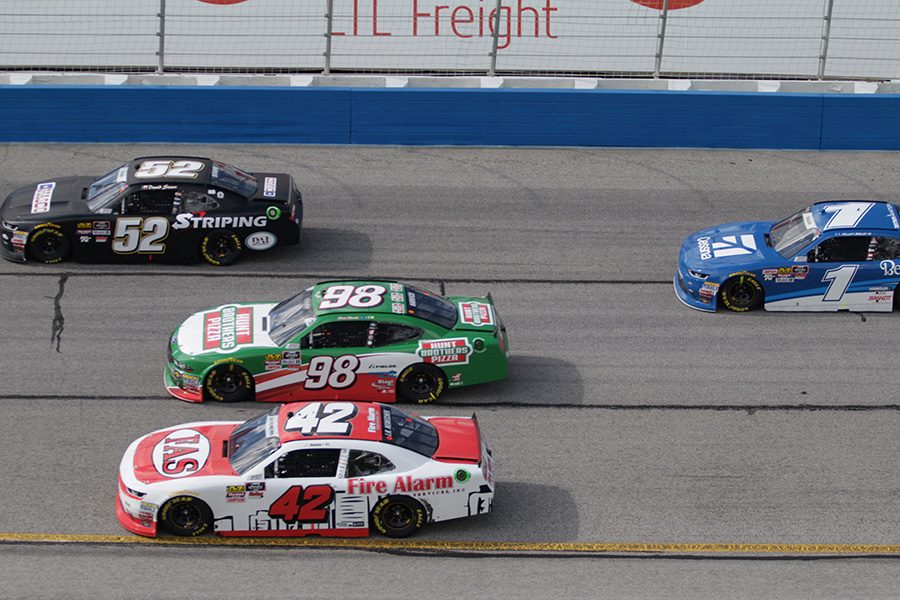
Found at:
[358, 340]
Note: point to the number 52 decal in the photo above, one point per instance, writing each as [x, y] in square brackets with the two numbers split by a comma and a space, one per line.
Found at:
[141, 235]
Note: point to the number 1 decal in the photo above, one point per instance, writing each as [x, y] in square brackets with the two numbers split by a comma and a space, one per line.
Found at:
[847, 214]
[298, 505]
[839, 280]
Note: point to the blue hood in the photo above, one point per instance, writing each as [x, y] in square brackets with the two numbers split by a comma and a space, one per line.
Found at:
[732, 246]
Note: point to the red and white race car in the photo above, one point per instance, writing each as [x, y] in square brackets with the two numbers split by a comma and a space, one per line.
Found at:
[321, 468]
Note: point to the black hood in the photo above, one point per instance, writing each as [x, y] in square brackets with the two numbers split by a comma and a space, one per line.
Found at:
[64, 200]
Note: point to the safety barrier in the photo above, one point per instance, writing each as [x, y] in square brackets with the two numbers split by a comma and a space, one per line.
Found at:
[481, 117]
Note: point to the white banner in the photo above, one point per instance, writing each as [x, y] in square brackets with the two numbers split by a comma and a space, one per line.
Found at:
[699, 37]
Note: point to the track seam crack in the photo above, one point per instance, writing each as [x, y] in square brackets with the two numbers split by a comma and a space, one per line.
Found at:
[59, 321]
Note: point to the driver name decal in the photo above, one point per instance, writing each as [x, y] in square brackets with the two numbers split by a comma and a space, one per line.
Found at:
[227, 328]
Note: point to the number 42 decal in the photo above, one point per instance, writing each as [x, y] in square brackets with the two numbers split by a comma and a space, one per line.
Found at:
[317, 418]
[299, 505]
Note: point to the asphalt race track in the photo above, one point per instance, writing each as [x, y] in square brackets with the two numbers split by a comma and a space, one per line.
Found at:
[643, 449]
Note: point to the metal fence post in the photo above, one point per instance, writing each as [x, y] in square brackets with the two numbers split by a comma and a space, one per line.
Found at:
[161, 52]
[826, 35]
[661, 38]
[496, 39]
[329, 25]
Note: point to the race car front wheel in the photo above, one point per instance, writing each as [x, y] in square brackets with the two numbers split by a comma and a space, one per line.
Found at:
[185, 515]
[220, 248]
[229, 383]
[49, 245]
[421, 383]
[398, 516]
[741, 293]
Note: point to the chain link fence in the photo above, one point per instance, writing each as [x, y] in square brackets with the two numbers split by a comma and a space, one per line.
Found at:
[759, 39]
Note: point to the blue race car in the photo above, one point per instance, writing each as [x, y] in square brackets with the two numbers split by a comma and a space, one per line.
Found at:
[827, 257]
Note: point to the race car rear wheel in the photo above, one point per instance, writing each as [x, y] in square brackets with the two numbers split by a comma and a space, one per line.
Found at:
[228, 383]
[49, 245]
[741, 293]
[421, 383]
[398, 516]
[220, 248]
[185, 515]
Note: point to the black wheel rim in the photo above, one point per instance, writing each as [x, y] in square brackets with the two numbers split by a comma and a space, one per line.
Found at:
[223, 247]
[741, 294]
[228, 383]
[422, 383]
[186, 516]
[49, 246]
[398, 516]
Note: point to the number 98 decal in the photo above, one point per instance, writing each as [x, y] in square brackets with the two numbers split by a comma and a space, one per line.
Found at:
[325, 371]
[140, 235]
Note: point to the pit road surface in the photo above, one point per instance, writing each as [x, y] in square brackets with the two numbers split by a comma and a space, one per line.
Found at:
[627, 417]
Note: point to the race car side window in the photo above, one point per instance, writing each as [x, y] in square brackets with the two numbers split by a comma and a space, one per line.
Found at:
[847, 248]
[363, 463]
[392, 333]
[883, 248]
[319, 462]
[340, 334]
[149, 202]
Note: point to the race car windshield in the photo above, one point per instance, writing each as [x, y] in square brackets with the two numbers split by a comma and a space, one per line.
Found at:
[232, 178]
[428, 306]
[290, 317]
[408, 432]
[253, 441]
[791, 235]
[104, 190]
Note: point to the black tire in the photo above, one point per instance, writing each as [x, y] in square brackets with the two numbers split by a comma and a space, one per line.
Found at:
[185, 515]
[221, 248]
[49, 245]
[398, 516]
[741, 293]
[228, 383]
[421, 383]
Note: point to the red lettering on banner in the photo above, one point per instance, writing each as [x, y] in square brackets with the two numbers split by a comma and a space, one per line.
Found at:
[673, 4]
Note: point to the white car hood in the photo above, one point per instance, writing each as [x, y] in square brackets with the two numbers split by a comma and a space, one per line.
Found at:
[225, 329]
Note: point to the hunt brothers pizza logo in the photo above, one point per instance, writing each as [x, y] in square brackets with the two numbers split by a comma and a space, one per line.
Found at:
[226, 328]
[442, 352]
[475, 313]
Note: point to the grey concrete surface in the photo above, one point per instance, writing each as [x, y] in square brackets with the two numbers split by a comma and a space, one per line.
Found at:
[615, 424]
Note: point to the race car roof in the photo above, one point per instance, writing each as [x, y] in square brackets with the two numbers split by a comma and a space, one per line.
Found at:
[855, 215]
[201, 176]
[363, 298]
[330, 420]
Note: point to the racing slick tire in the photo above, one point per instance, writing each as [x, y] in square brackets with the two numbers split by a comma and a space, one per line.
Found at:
[398, 516]
[421, 383]
[221, 248]
[741, 293]
[48, 245]
[228, 383]
[186, 516]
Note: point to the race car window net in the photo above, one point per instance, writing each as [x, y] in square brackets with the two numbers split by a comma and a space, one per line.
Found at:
[232, 178]
[428, 306]
[290, 317]
[407, 431]
[363, 463]
[252, 441]
[103, 191]
[794, 233]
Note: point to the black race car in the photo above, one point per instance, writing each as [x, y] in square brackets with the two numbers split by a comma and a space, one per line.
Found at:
[173, 209]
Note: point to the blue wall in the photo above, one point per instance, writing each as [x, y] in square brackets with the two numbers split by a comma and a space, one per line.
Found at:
[438, 116]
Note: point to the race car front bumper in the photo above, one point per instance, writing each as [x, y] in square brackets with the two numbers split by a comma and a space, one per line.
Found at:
[174, 381]
[132, 523]
[704, 298]
[12, 243]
